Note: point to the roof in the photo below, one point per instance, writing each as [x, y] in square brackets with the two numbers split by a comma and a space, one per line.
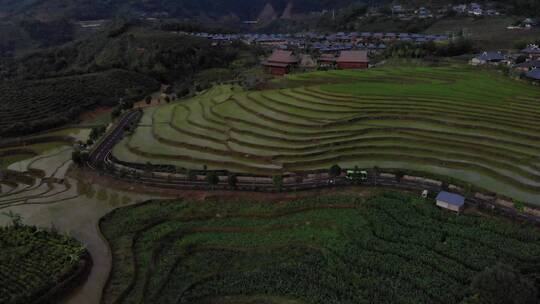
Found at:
[534, 74]
[275, 64]
[353, 56]
[327, 57]
[281, 56]
[451, 198]
[531, 49]
[490, 56]
[528, 64]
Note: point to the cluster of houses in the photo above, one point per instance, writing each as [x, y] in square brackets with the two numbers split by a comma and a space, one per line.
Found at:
[282, 62]
[473, 9]
[526, 62]
[324, 43]
[527, 24]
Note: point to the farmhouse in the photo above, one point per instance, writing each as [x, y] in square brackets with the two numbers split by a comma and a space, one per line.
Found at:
[488, 58]
[450, 201]
[280, 62]
[534, 75]
[532, 51]
[353, 60]
[527, 66]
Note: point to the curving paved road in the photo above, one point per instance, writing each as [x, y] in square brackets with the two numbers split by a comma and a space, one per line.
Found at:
[99, 154]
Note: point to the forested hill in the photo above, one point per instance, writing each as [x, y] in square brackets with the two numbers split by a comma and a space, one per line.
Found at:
[204, 9]
[97, 9]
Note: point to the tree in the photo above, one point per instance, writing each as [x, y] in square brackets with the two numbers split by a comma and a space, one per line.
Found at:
[83, 157]
[334, 171]
[278, 181]
[399, 175]
[76, 157]
[16, 219]
[191, 175]
[519, 205]
[212, 179]
[376, 172]
[502, 284]
[116, 112]
[232, 180]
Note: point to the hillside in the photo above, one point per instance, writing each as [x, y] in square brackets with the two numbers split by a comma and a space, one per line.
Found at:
[86, 9]
[438, 120]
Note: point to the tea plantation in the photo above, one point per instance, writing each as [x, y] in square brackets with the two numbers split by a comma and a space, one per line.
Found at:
[34, 262]
[34, 106]
[390, 248]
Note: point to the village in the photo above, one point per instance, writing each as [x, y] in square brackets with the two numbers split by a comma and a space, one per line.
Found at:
[525, 63]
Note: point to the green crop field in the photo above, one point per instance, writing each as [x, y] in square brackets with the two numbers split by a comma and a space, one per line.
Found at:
[33, 262]
[472, 125]
[389, 248]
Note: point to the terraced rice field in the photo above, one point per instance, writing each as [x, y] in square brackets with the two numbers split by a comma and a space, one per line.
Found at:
[43, 165]
[475, 126]
[391, 248]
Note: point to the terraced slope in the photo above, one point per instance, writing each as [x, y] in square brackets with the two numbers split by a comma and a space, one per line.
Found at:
[41, 164]
[475, 126]
[331, 249]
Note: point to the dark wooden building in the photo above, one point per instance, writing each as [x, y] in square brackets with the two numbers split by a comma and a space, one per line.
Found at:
[327, 61]
[280, 62]
[353, 60]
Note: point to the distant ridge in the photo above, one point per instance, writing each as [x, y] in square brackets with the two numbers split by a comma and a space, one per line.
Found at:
[287, 13]
[268, 14]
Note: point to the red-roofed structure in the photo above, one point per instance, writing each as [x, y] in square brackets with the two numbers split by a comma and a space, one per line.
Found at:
[280, 62]
[353, 60]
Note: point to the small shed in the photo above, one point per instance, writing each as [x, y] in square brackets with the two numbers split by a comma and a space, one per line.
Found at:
[450, 201]
[353, 60]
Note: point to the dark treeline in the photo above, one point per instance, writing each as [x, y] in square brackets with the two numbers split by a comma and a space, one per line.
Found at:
[155, 53]
[415, 50]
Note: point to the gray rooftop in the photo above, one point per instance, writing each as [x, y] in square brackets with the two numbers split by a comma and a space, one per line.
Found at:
[451, 198]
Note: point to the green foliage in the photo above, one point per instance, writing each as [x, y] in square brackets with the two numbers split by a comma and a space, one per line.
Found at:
[278, 181]
[326, 249]
[519, 205]
[16, 219]
[334, 171]
[78, 157]
[232, 180]
[30, 106]
[415, 50]
[33, 261]
[501, 284]
[212, 178]
[96, 132]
